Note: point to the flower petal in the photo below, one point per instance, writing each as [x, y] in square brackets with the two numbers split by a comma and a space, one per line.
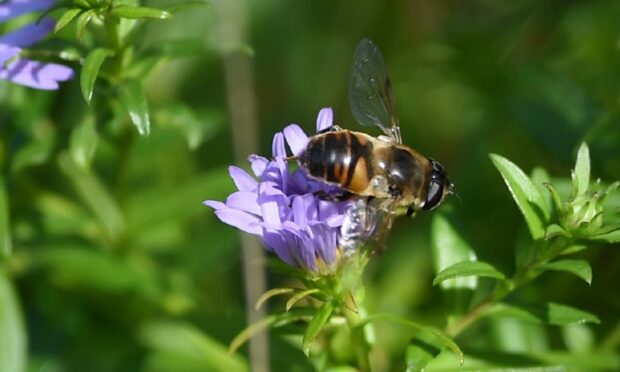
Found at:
[241, 220]
[215, 204]
[242, 179]
[258, 164]
[36, 74]
[29, 34]
[271, 201]
[325, 119]
[277, 146]
[12, 9]
[246, 201]
[296, 138]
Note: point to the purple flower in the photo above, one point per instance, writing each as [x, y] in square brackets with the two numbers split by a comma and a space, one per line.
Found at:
[282, 207]
[23, 71]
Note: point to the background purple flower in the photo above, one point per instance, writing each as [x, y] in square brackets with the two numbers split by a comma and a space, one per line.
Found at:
[282, 207]
[23, 71]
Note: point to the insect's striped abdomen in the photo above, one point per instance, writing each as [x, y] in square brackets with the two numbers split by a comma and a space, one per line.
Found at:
[340, 157]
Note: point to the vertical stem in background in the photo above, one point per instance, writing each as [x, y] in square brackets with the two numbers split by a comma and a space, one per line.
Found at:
[242, 109]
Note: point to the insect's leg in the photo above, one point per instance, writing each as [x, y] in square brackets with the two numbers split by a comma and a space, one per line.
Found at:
[410, 212]
[333, 128]
[342, 196]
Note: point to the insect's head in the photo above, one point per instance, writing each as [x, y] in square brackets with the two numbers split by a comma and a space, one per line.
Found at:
[438, 186]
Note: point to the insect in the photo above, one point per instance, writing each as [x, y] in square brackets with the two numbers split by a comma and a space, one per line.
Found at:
[379, 174]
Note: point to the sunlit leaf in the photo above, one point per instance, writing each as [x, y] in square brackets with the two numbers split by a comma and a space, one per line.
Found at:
[580, 268]
[298, 296]
[468, 268]
[530, 201]
[12, 333]
[551, 313]
[84, 139]
[581, 174]
[610, 237]
[420, 351]
[320, 318]
[578, 338]
[90, 70]
[271, 293]
[82, 21]
[194, 348]
[449, 248]
[94, 195]
[66, 18]
[6, 246]
[554, 230]
[139, 12]
[134, 100]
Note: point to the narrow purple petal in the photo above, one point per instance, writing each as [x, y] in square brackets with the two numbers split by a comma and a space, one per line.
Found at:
[299, 212]
[277, 146]
[270, 200]
[29, 34]
[36, 74]
[214, 204]
[296, 138]
[258, 164]
[241, 220]
[242, 179]
[7, 52]
[325, 119]
[246, 201]
[274, 240]
[14, 8]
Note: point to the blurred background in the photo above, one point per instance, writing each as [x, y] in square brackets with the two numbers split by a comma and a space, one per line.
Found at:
[120, 268]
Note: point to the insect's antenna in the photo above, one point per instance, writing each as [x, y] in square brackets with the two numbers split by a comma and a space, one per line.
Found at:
[452, 192]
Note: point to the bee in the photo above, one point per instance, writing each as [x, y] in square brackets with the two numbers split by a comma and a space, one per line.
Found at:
[379, 174]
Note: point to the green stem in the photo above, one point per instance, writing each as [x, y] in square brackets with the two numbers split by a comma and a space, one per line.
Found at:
[358, 340]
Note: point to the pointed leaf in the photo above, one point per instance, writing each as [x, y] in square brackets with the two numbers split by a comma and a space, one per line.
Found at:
[468, 268]
[530, 201]
[82, 21]
[610, 237]
[554, 230]
[441, 337]
[6, 246]
[552, 313]
[581, 174]
[90, 70]
[84, 139]
[134, 100]
[12, 334]
[299, 296]
[420, 351]
[320, 318]
[271, 293]
[66, 18]
[139, 12]
[580, 268]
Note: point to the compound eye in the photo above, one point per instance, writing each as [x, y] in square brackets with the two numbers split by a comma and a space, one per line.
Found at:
[434, 195]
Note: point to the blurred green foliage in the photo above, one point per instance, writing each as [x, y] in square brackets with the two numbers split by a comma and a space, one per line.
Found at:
[113, 264]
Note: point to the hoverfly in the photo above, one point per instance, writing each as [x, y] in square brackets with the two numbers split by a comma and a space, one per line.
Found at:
[380, 174]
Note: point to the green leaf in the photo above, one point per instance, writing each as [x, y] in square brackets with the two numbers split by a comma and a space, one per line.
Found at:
[84, 139]
[581, 174]
[66, 18]
[82, 21]
[139, 12]
[444, 340]
[551, 313]
[189, 346]
[90, 70]
[134, 100]
[580, 268]
[95, 196]
[299, 296]
[275, 320]
[6, 246]
[530, 201]
[196, 127]
[321, 316]
[12, 333]
[610, 237]
[271, 293]
[468, 268]
[420, 351]
[578, 338]
[554, 230]
[449, 248]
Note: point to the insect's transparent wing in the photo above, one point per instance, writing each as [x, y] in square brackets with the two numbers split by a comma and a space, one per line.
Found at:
[367, 221]
[370, 90]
